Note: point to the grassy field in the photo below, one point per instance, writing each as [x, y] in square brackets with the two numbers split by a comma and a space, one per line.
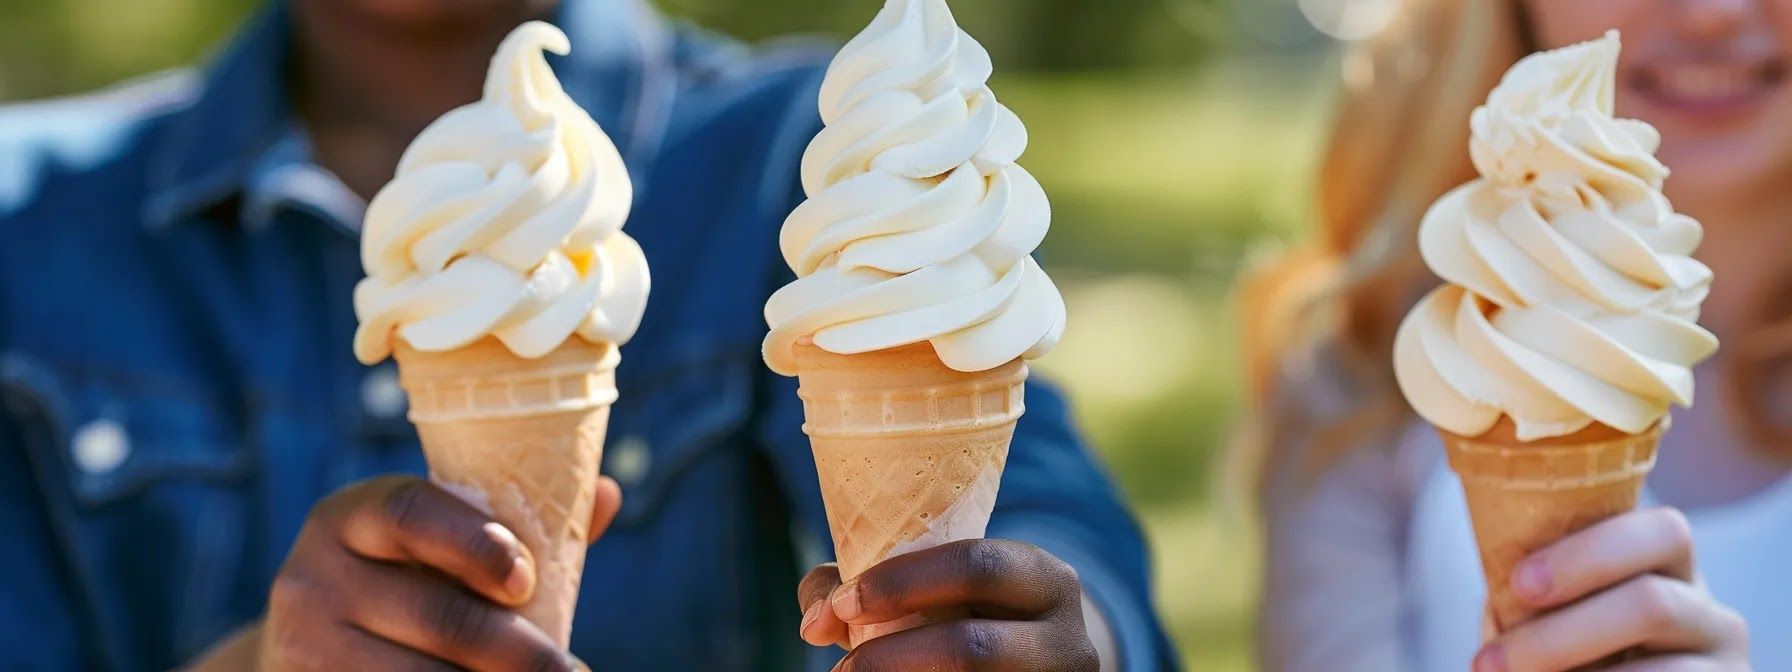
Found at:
[1162, 185]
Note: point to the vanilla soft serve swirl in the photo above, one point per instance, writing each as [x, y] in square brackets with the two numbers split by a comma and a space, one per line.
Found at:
[1572, 295]
[919, 225]
[505, 219]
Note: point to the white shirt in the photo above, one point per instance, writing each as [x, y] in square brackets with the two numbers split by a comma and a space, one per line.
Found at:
[1373, 568]
[1744, 552]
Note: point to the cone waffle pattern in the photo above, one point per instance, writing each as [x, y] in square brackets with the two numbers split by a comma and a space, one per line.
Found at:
[521, 440]
[1522, 497]
[909, 452]
[898, 439]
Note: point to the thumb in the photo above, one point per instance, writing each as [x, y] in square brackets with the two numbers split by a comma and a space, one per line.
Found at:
[820, 627]
[607, 502]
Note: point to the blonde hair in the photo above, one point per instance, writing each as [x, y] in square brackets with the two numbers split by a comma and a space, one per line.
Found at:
[1398, 142]
[1324, 316]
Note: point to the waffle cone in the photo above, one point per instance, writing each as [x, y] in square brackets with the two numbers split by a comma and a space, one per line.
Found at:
[1522, 496]
[521, 440]
[909, 452]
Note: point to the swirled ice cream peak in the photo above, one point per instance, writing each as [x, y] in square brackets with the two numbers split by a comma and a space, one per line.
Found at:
[1572, 296]
[504, 220]
[919, 224]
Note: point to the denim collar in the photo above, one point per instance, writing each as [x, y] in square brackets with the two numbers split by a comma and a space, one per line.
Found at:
[242, 126]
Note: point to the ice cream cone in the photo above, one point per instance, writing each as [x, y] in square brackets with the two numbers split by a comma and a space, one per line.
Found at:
[1524, 495]
[520, 439]
[909, 452]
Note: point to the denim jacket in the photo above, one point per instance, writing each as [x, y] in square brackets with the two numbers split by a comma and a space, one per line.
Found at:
[177, 387]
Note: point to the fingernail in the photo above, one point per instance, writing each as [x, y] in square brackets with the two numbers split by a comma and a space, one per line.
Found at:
[502, 535]
[846, 601]
[521, 581]
[1492, 659]
[810, 615]
[1532, 579]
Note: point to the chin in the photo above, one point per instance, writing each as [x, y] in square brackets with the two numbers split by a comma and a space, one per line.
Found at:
[1718, 150]
[1723, 168]
[431, 13]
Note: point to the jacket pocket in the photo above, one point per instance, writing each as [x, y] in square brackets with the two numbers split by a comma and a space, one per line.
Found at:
[149, 488]
[117, 435]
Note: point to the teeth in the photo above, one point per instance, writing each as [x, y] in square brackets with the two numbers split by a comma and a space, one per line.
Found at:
[1707, 82]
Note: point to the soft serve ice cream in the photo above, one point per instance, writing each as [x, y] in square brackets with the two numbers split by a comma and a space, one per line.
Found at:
[919, 224]
[504, 220]
[1572, 296]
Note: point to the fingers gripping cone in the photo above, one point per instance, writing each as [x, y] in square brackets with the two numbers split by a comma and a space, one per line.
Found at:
[1519, 337]
[521, 440]
[1523, 496]
[909, 452]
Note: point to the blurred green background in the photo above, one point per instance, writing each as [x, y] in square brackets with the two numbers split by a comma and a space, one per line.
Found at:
[1176, 137]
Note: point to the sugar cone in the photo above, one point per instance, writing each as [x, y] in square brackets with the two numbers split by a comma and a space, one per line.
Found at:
[521, 440]
[1522, 496]
[909, 452]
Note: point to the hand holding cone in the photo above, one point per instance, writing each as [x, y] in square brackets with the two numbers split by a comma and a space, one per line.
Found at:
[917, 299]
[909, 451]
[500, 279]
[1569, 325]
[521, 440]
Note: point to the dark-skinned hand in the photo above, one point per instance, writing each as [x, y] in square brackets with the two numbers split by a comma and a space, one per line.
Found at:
[1024, 611]
[397, 574]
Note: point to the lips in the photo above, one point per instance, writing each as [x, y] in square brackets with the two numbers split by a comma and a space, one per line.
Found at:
[1708, 86]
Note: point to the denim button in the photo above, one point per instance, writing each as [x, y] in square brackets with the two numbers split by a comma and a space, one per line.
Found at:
[629, 459]
[381, 394]
[100, 446]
